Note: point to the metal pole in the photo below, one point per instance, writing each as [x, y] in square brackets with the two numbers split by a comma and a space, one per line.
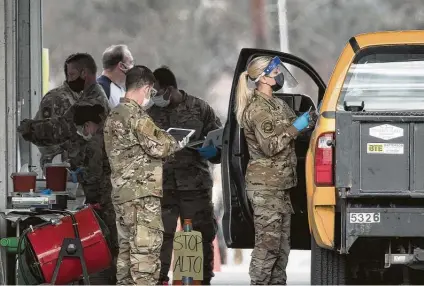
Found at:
[36, 75]
[29, 71]
[8, 111]
[23, 75]
[282, 23]
[20, 84]
[258, 21]
[3, 140]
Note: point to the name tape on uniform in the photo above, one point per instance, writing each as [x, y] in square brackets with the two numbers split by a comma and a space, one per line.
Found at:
[385, 148]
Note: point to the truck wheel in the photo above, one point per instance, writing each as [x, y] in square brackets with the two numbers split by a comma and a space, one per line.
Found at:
[327, 266]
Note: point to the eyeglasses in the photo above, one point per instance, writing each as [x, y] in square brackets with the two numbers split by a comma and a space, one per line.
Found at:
[129, 65]
[153, 92]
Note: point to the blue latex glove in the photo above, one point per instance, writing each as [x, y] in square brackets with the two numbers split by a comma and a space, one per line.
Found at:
[208, 151]
[302, 122]
[74, 175]
[46, 192]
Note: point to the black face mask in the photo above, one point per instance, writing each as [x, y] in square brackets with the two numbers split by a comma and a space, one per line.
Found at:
[77, 85]
[279, 82]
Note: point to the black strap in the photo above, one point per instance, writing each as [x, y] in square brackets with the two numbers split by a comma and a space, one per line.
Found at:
[105, 82]
[354, 44]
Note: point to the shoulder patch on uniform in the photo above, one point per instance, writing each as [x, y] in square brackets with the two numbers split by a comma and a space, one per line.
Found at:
[47, 112]
[267, 126]
[149, 128]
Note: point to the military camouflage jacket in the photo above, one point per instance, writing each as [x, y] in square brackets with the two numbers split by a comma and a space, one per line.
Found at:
[135, 147]
[95, 169]
[270, 138]
[62, 130]
[54, 104]
[187, 170]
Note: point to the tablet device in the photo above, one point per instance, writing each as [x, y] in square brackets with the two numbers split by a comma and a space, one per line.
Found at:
[194, 145]
[179, 133]
[214, 137]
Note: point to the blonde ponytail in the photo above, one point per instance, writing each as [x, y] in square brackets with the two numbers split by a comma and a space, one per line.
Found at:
[243, 95]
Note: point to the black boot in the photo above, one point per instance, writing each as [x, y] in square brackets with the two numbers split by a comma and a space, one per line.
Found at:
[163, 281]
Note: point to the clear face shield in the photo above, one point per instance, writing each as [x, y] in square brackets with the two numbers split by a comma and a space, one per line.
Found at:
[280, 73]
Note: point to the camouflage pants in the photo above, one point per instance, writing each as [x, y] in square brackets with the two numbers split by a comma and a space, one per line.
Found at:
[140, 232]
[272, 214]
[198, 206]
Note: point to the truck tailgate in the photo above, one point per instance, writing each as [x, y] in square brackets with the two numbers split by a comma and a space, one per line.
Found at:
[380, 153]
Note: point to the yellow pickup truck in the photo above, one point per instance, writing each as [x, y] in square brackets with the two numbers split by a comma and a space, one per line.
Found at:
[359, 204]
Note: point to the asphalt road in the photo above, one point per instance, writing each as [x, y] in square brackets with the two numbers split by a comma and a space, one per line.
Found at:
[298, 270]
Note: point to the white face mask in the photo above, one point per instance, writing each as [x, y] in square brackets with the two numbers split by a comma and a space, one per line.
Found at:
[159, 101]
[147, 103]
[80, 132]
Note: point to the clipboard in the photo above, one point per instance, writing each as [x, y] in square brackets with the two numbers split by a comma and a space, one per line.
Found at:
[214, 137]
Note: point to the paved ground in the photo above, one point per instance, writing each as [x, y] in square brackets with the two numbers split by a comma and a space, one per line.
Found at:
[298, 270]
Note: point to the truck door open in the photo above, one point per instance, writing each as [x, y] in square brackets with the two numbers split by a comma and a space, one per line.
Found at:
[238, 220]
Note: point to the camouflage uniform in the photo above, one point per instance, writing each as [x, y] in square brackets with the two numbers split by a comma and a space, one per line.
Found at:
[87, 155]
[62, 130]
[96, 184]
[270, 173]
[54, 104]
[187, 181]
[135, 147]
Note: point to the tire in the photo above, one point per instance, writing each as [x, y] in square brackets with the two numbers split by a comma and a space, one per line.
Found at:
[327, 266]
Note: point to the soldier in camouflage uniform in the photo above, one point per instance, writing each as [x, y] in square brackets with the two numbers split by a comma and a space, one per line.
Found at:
[187, 180]
[94, 177]
[270, 127]
[54, 104]
[135, 147]
[58, 130]
[86, 156]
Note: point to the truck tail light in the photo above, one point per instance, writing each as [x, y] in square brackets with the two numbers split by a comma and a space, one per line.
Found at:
[324, 160]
